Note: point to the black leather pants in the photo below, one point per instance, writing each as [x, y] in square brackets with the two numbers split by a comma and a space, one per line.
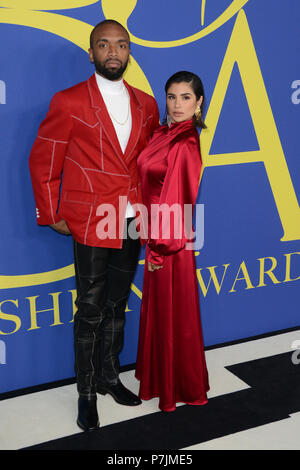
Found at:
[103, 279]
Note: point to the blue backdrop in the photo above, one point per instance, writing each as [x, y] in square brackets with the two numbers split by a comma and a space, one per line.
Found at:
[247, 54]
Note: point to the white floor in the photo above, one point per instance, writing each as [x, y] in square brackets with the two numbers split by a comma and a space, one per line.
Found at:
[31, 419]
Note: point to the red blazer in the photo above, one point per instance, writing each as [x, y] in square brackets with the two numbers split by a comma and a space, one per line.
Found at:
[77, 146]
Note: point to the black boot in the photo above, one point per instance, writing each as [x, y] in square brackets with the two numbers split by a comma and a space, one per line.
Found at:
[86, 366]
[88, 419]
[119, 393]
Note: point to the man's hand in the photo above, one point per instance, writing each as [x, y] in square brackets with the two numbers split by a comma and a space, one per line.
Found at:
[153, 267]
[61, 227]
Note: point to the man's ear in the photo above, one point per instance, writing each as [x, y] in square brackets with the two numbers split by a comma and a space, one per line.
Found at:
[91, 55]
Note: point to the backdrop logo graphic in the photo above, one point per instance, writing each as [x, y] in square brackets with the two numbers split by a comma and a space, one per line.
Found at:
[296, 94]
[2, 352]
[121, 11]
[240, 50]
[2, 92]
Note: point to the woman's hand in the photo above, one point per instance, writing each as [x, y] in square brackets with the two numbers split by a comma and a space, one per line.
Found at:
[153, 267]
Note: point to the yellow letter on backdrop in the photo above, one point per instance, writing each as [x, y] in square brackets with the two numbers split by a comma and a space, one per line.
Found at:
[241, 50]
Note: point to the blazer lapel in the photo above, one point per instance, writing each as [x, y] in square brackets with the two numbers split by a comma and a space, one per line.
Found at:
[137, 121]
[103, 117]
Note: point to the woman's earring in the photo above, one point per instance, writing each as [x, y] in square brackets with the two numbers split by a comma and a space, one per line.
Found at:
[168, 120]
[198, 112]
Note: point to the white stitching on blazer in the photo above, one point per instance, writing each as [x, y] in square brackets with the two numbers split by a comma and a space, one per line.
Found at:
[83, 122]
[106, 172]
[149, 117]
[101, 148]
[87, 225]
[53, 140]
[83, 171]
[48, 182]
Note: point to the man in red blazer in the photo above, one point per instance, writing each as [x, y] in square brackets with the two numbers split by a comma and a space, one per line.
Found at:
[88, 145]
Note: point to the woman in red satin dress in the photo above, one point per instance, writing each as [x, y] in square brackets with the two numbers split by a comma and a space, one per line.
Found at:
[171, 362]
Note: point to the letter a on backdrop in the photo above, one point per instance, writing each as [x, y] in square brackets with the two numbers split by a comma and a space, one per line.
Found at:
[241, 50]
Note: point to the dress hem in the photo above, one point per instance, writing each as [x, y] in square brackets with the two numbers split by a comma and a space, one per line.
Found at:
[173, 408]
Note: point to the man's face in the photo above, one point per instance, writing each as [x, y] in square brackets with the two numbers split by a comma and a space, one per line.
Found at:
[110, 51]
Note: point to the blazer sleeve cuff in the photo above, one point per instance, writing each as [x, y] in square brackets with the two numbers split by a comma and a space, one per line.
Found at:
[46, 220]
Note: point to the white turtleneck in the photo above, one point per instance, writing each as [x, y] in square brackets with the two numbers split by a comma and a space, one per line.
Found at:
[117, 101]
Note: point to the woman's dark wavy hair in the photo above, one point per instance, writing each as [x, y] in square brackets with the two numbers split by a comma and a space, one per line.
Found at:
[195, 82]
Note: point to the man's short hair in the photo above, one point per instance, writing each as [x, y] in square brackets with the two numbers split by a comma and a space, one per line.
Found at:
[103, 23]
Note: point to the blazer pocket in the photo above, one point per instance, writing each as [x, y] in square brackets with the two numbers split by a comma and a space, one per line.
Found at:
[80, 197]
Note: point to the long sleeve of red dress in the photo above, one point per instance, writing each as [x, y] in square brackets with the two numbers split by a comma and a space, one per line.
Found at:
[170, 225]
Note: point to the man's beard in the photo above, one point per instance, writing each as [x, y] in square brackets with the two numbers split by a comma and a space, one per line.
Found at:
[112, 74]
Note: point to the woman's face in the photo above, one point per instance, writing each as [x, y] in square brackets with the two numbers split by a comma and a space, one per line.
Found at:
[181, 102]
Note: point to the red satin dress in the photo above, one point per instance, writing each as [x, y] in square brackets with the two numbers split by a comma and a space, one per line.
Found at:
[170, 361]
